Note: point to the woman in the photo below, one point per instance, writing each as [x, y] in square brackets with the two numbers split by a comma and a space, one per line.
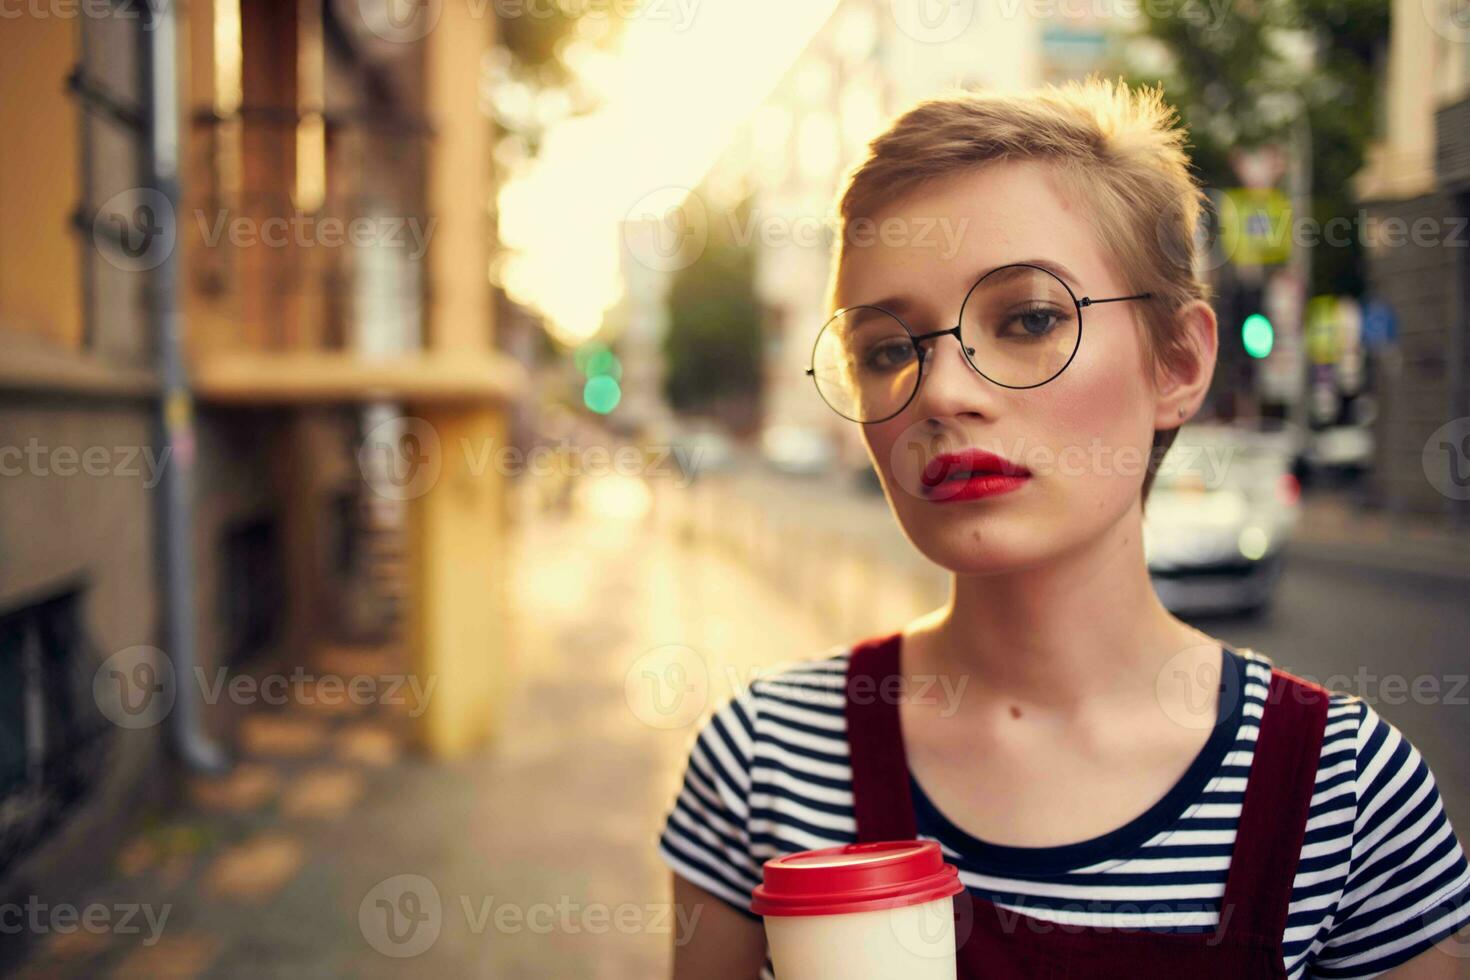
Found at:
[1080, 754]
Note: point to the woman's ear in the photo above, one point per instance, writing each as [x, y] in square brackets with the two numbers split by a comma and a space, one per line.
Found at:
[1181, 385]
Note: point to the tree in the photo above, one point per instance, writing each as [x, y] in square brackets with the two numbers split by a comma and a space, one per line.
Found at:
[712, 349]
[1236, 82]
[1350, 40]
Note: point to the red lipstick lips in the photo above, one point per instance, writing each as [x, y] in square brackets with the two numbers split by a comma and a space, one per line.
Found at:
[970, 474]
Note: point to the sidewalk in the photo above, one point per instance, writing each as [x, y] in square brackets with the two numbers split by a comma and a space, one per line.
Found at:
[1335, 530]
[332, 851]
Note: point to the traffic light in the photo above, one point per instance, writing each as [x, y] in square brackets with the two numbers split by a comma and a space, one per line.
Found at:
[1257, 335]
[601, 391]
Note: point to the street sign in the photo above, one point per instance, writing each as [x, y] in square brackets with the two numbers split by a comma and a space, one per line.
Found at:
[1321, 330]
[1380, 325]
[1255, 226]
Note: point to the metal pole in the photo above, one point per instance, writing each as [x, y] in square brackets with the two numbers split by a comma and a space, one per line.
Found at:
[1301, 259]
[176, 419]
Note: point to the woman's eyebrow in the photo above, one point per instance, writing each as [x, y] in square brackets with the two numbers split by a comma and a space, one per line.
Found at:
[893, 304]
[903, 304]
[1050, 265]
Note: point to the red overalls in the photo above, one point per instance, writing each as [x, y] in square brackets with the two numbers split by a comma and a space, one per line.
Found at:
[997, 944]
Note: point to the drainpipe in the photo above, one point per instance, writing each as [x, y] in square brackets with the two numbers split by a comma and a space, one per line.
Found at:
[176, 419]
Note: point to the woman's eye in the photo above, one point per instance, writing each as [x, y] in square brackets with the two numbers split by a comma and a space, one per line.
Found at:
[889, 356]
[1033, 323]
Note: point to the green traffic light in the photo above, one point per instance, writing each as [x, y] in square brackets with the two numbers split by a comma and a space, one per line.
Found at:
[601, 394]
[605, 362]
[584, 354]
[1258, 335]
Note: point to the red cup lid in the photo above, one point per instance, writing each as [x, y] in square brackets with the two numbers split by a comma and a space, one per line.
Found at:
[855, 878]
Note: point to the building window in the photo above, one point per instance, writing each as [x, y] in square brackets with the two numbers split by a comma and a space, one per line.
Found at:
[126, 226]
[51, 729]
[252, 588]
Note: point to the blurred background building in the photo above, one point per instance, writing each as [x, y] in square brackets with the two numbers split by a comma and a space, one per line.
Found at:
[1418, 170]
[775, 186]
[225, 353]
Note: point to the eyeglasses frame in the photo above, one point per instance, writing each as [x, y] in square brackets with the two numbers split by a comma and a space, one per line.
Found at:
[954, 331]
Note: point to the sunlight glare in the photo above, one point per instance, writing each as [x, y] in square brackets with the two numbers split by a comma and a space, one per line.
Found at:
[674, 96]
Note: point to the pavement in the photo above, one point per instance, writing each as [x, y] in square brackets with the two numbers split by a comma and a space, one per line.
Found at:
[332, 850]
[1334, 529]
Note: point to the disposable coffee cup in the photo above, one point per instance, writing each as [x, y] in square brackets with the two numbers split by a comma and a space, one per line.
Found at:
[860, 912]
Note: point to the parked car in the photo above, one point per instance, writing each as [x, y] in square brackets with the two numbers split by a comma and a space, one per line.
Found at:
[797, 450]
[701, 451]
[1340, 452]
[1218, 520]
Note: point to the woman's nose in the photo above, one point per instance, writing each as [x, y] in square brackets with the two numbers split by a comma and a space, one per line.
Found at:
[950, 384]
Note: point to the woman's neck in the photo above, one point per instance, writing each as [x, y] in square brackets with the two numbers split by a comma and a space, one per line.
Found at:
[1084, 628]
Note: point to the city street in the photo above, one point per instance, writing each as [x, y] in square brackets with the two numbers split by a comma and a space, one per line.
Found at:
[632, 619]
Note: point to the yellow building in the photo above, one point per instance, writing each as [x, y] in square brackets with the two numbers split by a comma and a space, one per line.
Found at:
[246, 349]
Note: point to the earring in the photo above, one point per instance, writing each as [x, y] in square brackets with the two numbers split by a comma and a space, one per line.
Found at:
[1181, 413]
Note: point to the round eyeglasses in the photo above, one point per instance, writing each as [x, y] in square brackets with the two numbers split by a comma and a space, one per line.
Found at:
[1020, 326]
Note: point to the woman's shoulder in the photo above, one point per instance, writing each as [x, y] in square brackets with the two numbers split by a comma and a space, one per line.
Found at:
[777, 699]
[1383, 876]
[1367, 765]
[1258, 668]
[813, 681]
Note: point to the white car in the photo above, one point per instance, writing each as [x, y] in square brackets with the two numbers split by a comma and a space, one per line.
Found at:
[797, 450]
[705, 450]
[1218, 519]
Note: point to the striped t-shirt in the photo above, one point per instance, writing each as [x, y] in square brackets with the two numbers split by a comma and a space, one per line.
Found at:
[1381, 877]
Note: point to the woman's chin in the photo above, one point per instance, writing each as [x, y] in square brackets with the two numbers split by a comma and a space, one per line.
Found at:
[983, 549]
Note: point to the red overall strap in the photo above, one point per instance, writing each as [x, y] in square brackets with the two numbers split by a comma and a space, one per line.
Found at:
[1274, 810]
[1278, 798]
[880, 774]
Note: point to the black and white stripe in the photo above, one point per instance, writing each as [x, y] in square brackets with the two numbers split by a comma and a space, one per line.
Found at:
[1381, 877]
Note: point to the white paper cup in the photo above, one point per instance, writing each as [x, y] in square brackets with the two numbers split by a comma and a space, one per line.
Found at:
[861, 912]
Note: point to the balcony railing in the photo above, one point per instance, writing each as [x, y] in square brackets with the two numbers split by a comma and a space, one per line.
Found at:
[306, 231]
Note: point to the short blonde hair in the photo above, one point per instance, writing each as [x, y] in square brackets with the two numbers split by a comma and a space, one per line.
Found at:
[1120, 150]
